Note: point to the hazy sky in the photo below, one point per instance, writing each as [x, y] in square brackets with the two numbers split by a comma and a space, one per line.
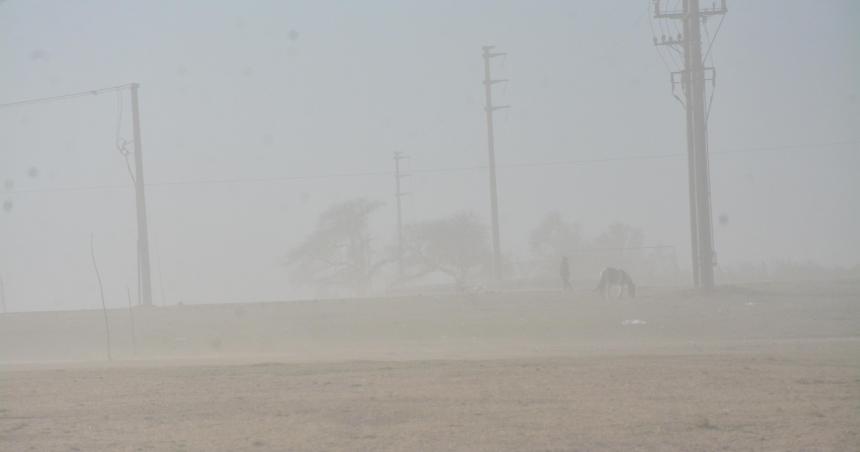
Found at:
[279, 89]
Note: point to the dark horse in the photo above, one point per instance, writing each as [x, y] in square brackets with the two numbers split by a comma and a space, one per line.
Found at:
[615, 277]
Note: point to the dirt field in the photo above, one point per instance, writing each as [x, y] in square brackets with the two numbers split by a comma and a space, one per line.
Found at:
[769, 367]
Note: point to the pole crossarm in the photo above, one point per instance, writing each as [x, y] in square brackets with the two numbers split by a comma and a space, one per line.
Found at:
[669, 42]
[682, 15]
[489, 54]
[493, 82]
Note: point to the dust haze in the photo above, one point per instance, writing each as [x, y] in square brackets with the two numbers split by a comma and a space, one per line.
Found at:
[429, 226]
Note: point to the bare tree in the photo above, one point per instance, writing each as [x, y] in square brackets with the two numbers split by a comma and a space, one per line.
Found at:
[456, 246]
[338, 252]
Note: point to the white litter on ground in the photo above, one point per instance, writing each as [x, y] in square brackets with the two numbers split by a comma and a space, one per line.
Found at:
[633, 322]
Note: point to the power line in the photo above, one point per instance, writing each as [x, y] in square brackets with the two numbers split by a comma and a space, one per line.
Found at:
[441, 170]
[714, 38]
[145, 283]
[38, 100]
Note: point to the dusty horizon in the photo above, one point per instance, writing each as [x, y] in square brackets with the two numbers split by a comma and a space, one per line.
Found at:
[257, 118]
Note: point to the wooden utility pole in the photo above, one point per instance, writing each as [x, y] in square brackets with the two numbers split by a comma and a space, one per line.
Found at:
[145, 289]
[144, 278]
[489, 108]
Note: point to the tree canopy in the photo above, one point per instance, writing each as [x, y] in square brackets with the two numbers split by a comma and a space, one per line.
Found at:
[338, 252]
[455, 246]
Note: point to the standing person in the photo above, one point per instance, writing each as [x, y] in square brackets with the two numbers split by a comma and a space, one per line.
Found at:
[565, 274]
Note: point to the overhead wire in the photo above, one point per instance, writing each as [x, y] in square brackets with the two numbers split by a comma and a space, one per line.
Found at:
[389, 173]
[673, 31]
[714, 38]
[669, 67]
[707, 56]
[36, 100]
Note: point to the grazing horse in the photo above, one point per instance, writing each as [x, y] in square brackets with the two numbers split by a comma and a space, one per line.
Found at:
[612, 277]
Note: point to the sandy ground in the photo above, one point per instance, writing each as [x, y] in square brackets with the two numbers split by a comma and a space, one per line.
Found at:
[770, 367]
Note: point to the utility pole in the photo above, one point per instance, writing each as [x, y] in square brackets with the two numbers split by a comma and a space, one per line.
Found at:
[398, 194]
[489, 108]
[145, 289]
[144, 279]
[2, 294]
[692, 79]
